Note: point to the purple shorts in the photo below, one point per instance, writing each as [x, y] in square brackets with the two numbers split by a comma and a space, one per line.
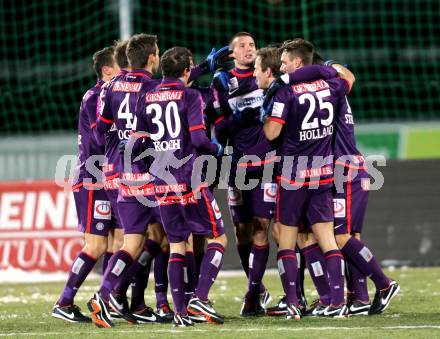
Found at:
[94, 211]
[258, 202]
[351, 204]
[184, 215]
[112, 196]
[293, 206]
[135, 217]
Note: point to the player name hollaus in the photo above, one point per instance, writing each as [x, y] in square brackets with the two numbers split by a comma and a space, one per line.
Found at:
[315, 133]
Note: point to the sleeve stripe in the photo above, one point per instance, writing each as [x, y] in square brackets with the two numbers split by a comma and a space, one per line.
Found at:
[280, 121]
[197, 127]
[140, 135]
[107, 121]
[218, 120]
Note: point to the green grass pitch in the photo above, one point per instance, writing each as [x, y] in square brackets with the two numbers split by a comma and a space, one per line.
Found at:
[414, 313]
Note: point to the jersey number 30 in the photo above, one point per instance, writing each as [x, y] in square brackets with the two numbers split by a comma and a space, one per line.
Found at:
[170, 109]
[308, 122]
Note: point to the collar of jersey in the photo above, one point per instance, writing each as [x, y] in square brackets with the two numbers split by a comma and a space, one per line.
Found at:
[171, 82]
[242, 73]
[140, 72]
[99, 83]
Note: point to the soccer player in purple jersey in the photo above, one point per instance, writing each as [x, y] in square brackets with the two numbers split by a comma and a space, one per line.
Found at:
[171, 120]
[251, 210]
[350, 200]
[267, 73]
[92, 205]
[134, 258]
[350, 203]
[111, 183]
[305, 174]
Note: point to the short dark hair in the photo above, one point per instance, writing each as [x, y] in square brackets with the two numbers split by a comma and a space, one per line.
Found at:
[102, 58]
[299, 48]
[317, 59]
[139, 48]
[239, 34]
[174, 61]
[270, 58]
[121, 53]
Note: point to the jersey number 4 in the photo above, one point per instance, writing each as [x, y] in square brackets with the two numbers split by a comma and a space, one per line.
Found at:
[308, 122]
[170, 110]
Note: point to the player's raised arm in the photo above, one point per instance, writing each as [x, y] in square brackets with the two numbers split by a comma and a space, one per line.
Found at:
[343, 72]
[197, 127]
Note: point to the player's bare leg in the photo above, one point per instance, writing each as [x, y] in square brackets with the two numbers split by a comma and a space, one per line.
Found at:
[288, 268]
[95, 246]
[211, 265]
[362, 257]
[324, 234]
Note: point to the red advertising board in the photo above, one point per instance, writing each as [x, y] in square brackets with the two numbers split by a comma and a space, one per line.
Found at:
[38, 226]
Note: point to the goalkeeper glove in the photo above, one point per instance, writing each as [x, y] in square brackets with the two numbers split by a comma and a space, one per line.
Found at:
[221, 81]
[220, 149]
[218, 60]
[267, 106]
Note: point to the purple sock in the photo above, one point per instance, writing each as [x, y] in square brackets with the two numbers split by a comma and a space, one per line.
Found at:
[361, 256]
[335, 270]
[79, 271]
[190, 276]
[141, 274]
[211, 264]
[117, 265]
[176, 265]
[244, 251]
[257, 267]
[199, 259]
[300, 277]
[317, 267]
[161, 278]
[105, 258]
[358, 283]
[288, 270]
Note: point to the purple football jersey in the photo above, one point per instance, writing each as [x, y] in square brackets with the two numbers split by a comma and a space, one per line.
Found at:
[87, 144]
[172, 115]
[111, 140]
[344, 139]
[308, 112]
[345, 142]
[118, 107]
[244, 94]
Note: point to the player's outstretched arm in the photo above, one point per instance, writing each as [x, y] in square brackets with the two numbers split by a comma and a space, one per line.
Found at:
[215, 60]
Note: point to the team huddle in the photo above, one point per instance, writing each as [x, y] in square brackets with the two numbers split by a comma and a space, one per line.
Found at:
[151, 152]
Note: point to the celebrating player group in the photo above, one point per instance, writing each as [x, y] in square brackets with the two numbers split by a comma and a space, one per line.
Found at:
[152, 150]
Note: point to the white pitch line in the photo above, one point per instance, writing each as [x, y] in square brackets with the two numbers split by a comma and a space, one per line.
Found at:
[149, 330]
